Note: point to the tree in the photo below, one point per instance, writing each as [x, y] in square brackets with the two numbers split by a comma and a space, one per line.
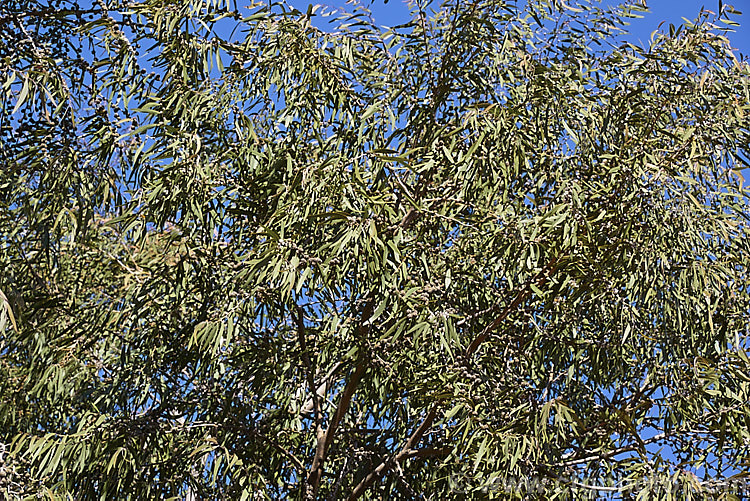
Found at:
[497, 248]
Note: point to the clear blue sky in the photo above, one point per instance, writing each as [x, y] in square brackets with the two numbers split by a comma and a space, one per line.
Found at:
[671, 11]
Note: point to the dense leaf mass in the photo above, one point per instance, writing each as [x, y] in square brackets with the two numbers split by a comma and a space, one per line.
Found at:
[256, 253]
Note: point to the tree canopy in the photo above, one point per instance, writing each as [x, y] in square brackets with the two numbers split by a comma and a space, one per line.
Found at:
[249, 252]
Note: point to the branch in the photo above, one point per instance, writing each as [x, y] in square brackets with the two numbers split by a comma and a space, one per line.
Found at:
[323, 386]
[417, 435]
[406, 451]
[481, 338]
[279, 448]
[612, 453]
[242, 428]
[540, 279]
[602, 488]
[326, 438]
[300, 320]
[370, 479]
[428, 453]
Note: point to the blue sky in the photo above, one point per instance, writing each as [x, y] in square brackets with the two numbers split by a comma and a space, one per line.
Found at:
[671, 11]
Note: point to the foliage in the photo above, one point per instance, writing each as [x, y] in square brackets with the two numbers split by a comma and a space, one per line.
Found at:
[248, 255]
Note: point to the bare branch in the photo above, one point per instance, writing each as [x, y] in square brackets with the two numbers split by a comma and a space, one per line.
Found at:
[406, 451]
[540, 279]
[326, 438]
[612, 453]
[300, 320]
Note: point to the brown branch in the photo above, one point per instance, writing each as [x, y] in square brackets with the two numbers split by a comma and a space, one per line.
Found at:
[236, 426]
[279, 448]
[326, 438]
[614, 452]
[409, 218]
[370, 479]
[406, 451]
[522, 295]
[481, 338]
[300, 320]
[417, 435]
[428, 453]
